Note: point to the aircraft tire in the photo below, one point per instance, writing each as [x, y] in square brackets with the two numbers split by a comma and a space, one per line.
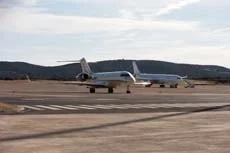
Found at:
[92, 90]
[128, 91]
[110, 90]
[174, 86]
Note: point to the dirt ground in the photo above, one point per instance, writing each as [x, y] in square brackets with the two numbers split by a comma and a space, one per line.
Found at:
[18, 88]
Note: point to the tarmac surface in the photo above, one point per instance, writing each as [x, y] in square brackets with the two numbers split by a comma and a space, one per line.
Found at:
[58, 98]
[65, 118]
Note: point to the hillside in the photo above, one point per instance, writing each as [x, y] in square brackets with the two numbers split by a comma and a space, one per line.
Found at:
[19, 70]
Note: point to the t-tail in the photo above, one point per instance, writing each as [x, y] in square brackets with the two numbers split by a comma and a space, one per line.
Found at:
[136, 71]
[85, 66]
[86, 73]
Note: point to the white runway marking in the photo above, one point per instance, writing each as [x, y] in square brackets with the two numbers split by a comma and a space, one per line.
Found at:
[122, 106]
[102, 106]
[47, 107]
[33, 108]
[64, 107]
[85, 107]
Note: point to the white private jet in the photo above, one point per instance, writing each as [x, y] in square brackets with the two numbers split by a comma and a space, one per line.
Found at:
[163, 79]
[108, 80]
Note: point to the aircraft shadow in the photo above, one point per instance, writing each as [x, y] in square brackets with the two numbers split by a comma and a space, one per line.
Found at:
[78, 130]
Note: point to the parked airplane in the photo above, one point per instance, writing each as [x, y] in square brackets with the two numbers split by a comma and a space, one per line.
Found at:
[163, 79]
[108, 80]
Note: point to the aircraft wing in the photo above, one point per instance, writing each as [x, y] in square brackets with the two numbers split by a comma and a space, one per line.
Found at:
[99, 84]
[96, 84]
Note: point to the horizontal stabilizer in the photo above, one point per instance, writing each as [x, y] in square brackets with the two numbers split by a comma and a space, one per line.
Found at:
[70, 61]
[184, 77]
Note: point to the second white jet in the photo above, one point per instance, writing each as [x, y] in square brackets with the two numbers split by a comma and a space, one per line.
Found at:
[163, 79]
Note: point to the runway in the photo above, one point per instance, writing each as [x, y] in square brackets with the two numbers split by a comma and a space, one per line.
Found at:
[62, 99]
[64, 118]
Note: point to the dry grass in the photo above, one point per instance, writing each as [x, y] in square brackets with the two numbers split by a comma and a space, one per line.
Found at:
[10, 108]
[202, 82]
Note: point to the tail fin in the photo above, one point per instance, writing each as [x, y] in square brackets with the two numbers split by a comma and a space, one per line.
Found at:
[27, 78]
[135, 69]
[85, 66]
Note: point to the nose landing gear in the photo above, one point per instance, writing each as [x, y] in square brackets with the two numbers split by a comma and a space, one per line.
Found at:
[128, 90]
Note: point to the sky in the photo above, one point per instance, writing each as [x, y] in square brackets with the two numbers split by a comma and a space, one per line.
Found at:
[182, 31]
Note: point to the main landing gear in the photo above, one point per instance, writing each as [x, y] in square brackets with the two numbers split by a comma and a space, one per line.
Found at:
[110, 90]
[174, 86]
[92, 90]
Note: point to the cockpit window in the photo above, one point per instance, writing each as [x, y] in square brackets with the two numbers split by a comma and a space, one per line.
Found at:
[124, 75]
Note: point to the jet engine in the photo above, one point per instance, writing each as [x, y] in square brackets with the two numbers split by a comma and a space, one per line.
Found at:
[82, 77]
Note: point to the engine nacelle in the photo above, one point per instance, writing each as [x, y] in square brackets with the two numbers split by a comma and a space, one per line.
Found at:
[82, 77]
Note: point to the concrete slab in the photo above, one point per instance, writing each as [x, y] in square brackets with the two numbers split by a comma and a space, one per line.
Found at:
[159, 132]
